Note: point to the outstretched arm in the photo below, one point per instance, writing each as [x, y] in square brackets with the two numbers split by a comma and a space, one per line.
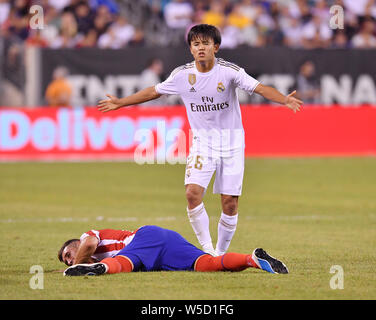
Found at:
[114, 103]
[86, 250]
[274, 95]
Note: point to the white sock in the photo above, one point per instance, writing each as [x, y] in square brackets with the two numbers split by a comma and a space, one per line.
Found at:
[226, 230]
[199, 220]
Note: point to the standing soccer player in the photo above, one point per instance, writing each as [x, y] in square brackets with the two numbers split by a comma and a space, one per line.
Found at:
[207, 87]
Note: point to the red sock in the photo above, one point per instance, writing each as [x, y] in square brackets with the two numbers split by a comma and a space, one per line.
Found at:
[118, 264]
[237, 262]
[208, 263]
[228, 262]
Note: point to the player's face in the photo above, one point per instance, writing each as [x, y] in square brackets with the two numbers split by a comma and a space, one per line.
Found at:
[69, 254]
[203, 49]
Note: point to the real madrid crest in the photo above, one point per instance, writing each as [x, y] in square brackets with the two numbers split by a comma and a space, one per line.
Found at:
[220, 87]
[191, 79]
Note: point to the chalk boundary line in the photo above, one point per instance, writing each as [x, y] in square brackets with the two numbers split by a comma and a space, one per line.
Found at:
[312, 217]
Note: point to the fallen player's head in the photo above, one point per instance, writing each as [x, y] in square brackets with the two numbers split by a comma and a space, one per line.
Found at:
[68, 251]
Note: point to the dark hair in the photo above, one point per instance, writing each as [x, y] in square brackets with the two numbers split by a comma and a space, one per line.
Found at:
[206, 31]
[66, 243]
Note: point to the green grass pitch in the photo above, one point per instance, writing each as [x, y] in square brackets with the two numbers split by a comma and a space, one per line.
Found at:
[312, 213]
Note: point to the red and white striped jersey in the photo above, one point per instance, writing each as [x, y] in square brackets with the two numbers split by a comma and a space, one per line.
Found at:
[110, 241]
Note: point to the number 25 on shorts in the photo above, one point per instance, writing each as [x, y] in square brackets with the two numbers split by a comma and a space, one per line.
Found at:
[196, 161]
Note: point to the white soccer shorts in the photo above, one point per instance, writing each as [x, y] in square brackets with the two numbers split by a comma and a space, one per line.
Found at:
[229, 172]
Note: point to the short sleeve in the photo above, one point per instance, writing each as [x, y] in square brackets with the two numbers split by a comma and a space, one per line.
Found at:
[245, 82]
[93, 233]
[169, 86]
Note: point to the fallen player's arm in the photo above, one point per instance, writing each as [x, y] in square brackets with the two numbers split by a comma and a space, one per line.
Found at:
[274, 95]
[114, 103]
[86, 250]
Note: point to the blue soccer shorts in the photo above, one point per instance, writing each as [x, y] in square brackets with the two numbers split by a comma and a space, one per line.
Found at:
[157, 249]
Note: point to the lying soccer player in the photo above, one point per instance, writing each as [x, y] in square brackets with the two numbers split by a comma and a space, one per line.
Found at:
[152, 248]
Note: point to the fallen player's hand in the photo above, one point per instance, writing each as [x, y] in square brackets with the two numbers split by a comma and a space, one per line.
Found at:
[293, 103]
[113, 103]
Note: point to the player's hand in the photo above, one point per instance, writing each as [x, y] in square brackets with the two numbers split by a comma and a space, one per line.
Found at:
[113, 103]
[293, 103]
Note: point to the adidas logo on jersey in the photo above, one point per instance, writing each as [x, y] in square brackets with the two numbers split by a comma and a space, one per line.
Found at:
[192, 90]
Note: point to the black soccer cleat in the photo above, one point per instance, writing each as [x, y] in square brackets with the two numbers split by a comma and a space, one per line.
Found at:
[92, 269]
[268, 263]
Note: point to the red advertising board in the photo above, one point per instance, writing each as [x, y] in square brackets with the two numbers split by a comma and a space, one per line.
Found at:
[70, 134]
[314, 131]
[163, 132]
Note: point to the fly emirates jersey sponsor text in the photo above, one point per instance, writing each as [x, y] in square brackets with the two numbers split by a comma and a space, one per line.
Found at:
[212, 104]
[110, 241]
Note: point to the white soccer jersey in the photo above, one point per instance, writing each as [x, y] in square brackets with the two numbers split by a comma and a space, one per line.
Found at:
[212, 104]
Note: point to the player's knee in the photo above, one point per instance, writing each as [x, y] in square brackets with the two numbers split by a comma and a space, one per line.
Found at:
[194, 196]
[230, 205]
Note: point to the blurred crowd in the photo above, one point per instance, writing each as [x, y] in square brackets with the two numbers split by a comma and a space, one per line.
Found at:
[257, 23]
